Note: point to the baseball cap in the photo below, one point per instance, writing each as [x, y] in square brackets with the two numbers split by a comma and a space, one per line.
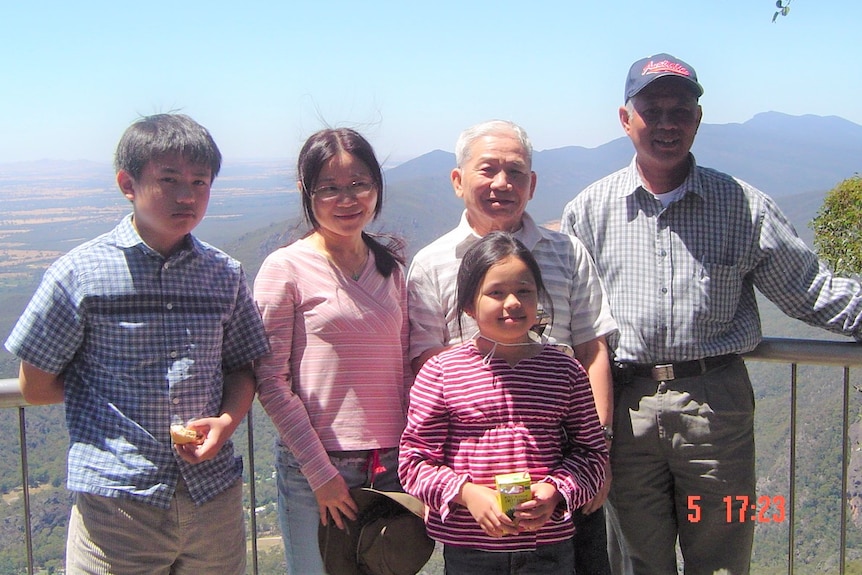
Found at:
[647, 70]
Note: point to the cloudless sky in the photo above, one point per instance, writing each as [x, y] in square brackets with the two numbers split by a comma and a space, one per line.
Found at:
[262, 76]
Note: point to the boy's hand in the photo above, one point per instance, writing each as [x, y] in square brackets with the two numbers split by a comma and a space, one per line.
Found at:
[485, 509]
[239, 389]
[216, 431]
[532, 515]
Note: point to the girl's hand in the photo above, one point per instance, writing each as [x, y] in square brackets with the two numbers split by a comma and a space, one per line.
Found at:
[532, 515]
[485, 509]
[333, 498]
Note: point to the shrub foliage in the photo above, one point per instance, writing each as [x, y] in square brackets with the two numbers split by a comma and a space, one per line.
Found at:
[838, 228]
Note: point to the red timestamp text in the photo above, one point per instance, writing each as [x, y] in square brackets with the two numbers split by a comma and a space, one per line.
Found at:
[742, 508]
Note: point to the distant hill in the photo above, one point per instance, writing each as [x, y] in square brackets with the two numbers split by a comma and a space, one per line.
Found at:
[782, 155]
[795, 159]
[51, 206]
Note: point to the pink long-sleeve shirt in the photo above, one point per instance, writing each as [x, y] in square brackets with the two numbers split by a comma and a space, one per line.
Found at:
[469, 421]
[336, 378]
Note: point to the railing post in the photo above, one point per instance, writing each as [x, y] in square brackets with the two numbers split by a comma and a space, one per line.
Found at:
[252, 494]
[25, 482]
[791, 540]
[845, 461]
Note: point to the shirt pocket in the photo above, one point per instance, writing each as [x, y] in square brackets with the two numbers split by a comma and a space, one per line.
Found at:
[715, 298]
[125, 347]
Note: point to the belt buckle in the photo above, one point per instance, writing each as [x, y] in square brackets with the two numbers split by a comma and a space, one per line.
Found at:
[663, 372]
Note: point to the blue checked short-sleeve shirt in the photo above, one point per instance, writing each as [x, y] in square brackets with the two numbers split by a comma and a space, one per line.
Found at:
[142, 341]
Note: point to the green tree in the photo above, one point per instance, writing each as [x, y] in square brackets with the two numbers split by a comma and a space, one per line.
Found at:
[838, 227]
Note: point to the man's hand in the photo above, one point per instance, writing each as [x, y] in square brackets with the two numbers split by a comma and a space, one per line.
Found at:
[602, 495]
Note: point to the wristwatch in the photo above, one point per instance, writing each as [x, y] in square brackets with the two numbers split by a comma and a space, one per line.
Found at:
[608, 432]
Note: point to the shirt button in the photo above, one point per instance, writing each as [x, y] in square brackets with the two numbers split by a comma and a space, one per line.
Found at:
[170, 306]
[664, 290]
[166, 266]
[175, 401]
[174, 354]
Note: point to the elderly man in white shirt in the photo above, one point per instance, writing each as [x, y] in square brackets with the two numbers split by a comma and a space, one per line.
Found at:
[494, 177]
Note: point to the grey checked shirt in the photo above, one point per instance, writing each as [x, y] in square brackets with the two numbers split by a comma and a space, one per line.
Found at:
[681, 279]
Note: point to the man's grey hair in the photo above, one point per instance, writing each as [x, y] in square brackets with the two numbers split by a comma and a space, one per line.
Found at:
[491, 127]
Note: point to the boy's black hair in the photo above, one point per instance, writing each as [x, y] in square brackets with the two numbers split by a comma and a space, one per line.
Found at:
[163, 134]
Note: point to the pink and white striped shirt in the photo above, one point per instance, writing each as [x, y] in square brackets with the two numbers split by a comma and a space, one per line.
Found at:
[336, 378]
[468, 422]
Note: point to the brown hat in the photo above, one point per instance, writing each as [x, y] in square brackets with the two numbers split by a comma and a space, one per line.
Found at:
[387, 538]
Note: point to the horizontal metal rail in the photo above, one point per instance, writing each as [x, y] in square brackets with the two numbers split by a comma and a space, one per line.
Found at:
[777, 350]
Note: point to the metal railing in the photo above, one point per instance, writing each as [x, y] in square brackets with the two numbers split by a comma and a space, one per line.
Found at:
[777, 350]
[10, 397]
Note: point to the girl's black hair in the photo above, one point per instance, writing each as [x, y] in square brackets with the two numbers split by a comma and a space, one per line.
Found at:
[317, 150]
[486, 252]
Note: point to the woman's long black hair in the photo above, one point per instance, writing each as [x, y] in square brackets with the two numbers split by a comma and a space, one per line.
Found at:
[317, 150]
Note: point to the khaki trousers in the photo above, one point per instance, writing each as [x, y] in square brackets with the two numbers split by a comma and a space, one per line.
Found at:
[110, 536]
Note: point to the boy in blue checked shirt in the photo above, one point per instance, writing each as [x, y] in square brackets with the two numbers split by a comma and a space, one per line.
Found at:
[140, 328]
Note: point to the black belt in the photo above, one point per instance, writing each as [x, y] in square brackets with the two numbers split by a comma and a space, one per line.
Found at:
[671, 371]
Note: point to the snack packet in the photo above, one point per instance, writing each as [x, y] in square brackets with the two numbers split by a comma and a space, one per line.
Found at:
[512, 490]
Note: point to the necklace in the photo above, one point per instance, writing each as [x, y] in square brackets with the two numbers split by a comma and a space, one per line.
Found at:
[486, 360]
[354, 271]
[348, 262]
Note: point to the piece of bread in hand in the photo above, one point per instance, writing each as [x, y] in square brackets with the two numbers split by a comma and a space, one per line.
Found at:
[181, 435]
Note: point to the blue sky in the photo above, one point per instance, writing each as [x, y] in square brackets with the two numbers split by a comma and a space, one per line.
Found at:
[262, 76]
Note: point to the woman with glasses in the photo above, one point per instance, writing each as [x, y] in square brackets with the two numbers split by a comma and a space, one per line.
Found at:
[336, 381]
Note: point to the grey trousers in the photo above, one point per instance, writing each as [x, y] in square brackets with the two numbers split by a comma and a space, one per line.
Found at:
[683, 464]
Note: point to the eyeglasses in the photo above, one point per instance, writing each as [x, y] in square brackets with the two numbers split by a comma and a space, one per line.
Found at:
[359, 189]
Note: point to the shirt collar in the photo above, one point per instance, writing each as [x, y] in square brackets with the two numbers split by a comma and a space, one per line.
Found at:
[529, 234]
[126, 236]
[632, 179]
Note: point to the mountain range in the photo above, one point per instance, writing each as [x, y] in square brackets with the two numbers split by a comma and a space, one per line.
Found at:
[794, 159]
[48, 206]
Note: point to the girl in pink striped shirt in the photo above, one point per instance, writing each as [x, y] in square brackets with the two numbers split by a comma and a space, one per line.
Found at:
[499, 403]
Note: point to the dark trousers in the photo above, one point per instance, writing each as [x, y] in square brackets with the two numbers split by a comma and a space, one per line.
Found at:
[553, 559]
[682, 448]
[591, 544]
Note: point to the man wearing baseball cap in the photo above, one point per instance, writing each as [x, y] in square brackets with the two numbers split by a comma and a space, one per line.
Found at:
[680, 249]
